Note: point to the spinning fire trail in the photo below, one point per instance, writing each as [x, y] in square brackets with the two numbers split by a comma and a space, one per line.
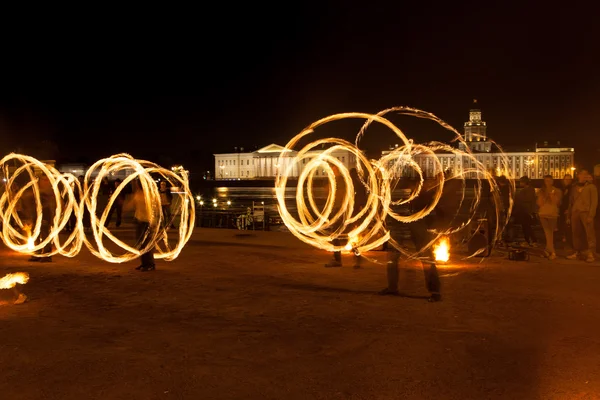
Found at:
[364, 229]
[10, 281]
[22, 231]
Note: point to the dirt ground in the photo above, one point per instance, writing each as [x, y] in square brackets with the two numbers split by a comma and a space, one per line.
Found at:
[258, 317]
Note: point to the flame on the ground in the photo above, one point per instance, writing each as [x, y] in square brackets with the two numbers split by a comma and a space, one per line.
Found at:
[441, 250]
[10, 280]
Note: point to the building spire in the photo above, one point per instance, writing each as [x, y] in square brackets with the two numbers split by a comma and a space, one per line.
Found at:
[475, 128]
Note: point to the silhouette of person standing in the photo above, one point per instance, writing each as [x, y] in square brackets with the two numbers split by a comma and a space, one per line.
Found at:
[48, 202]
[421, 237]
[142, 216]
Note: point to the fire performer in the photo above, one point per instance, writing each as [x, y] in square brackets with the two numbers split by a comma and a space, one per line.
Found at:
[421, 237]
[48, 202]
[359, 201]
[137, 202]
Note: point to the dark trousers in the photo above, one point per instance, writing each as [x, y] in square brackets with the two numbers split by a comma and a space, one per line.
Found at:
[420, 237]
[118, 208]
[597, 231]
[166, 211]
[44, 233]
[141, 231]
[337, 255]
[526, 221]
[506, 225]
[584, 233]
[564, 230]
[87, 219]
[72, 222]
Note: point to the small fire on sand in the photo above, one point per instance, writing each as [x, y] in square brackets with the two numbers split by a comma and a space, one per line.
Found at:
[441, 250]
[10, 281]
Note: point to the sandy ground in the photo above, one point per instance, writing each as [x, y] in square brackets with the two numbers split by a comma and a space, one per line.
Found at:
[258, 317]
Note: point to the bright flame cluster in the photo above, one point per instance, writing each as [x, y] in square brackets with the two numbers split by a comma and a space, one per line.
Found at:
[9, 281]
[441, 250]
[72, 198]
[364, 229]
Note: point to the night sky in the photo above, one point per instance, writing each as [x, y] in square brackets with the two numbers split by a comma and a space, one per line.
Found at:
[175, 86]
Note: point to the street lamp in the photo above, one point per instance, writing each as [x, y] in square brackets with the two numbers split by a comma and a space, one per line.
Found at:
[201, 203]
[228, 202]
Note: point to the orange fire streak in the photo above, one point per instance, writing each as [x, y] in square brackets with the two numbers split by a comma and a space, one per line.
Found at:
[9, 281]
[319, 228]
[18, 237]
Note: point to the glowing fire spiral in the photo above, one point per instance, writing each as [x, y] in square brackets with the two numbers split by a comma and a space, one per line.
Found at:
[365, 229]
[362, 230]
[62, 196]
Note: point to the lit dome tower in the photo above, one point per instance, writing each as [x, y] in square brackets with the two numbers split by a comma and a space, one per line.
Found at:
[475, 130]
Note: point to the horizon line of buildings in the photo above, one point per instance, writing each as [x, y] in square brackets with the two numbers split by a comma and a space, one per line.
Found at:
[555, 160]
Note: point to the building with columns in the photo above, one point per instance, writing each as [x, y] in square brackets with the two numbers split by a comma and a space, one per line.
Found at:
[535, 162]
[264, 163]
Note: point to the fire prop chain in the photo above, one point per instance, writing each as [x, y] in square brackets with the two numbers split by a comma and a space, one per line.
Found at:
[39, 198]
[339, 226]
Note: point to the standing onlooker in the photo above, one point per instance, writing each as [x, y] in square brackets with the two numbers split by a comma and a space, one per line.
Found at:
[117, 204]
[102, 197]
[143, 218]
[582, 210]
[524, 208]
[563, 228]
[79, 196]
[505, 203]
[337, 205]
[166, 198]
[420, 235]
[548, 200]
[72, 222]
[48, 202]
[360, 201]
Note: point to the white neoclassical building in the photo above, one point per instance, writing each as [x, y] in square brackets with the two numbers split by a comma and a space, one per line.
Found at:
[541, 160]
[264, 163]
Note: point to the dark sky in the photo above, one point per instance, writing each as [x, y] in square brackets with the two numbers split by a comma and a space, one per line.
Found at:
[178, 85]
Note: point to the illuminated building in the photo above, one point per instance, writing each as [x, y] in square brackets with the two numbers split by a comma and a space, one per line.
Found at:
[263, 163]
[535, 162]
[475, 131]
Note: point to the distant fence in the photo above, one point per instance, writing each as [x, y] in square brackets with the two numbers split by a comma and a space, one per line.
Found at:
[235, 219]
